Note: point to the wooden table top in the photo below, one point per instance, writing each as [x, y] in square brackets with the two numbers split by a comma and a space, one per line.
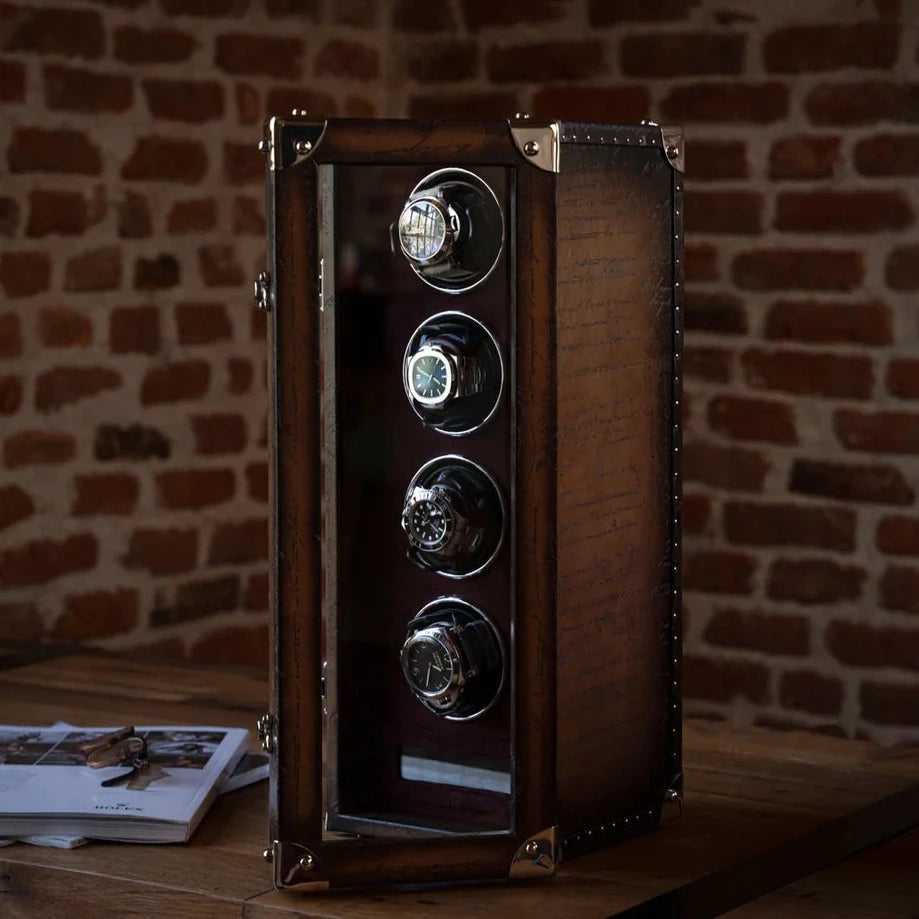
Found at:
[747, 790]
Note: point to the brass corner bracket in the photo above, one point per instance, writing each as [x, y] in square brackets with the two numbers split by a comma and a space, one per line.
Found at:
[295, 866]
[538, 145]
[538, 857]
[672, 805]
[672, 144]
[289, 142]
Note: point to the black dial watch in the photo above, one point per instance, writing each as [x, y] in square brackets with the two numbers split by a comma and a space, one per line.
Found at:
[453, 517]
[453, 373]
[451, 230]
[430, 519]
[453, 659]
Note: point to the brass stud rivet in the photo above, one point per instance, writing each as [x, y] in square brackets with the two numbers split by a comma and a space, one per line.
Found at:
[531, 849]
[268, 855]
[306, 863]
[531, 148]
[263, 146]
[673, 152]
[303, 147]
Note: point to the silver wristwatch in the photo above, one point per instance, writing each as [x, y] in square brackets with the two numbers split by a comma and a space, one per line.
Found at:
[433, 523]
[427, 231]
[434, 667]
[435, 374]
[453, 659]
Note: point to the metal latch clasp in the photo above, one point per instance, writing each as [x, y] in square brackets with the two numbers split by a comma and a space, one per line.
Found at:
[268, 732]
[261, 291]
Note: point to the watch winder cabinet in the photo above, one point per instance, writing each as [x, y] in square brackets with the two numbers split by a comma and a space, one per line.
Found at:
[475, 346]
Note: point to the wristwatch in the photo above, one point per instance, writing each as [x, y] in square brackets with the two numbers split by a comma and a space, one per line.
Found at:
[437, 373]
[436, 520]
[453, 373]
[453, 517]
[427, 230]
[453, 659]
[451, 230]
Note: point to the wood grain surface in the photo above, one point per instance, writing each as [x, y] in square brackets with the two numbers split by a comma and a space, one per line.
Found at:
[616, 752]
[746, 790]
[303, 522]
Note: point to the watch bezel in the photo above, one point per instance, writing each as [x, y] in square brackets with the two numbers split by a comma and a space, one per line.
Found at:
[449, 237]
[452, 376]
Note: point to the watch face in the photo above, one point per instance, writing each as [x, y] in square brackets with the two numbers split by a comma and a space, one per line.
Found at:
[429, 523]
[428, 666]
[422, 230]
[430, 376]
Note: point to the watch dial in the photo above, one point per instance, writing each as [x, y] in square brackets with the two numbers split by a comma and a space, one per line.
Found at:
[429, 524]
[422, 230]
[428, 666]
[429, 377]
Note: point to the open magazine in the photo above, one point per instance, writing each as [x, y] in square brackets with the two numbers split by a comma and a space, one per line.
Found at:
[47, 790]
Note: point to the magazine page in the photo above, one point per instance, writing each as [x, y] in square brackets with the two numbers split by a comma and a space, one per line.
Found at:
[251, 768]
[43, 772]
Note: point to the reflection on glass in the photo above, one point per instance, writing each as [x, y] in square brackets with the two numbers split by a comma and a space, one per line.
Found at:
[451, 230]
[423, 230]
[394, 767]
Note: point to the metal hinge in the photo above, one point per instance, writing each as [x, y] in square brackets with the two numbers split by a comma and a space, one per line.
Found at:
[261, 291]
[322, 285]
[268, 732]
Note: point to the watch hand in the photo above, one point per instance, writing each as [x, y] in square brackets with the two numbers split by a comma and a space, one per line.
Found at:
[427, 681]
[439, 669]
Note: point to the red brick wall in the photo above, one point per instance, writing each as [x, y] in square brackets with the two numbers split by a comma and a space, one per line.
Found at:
[132, 494]
[132, 362]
